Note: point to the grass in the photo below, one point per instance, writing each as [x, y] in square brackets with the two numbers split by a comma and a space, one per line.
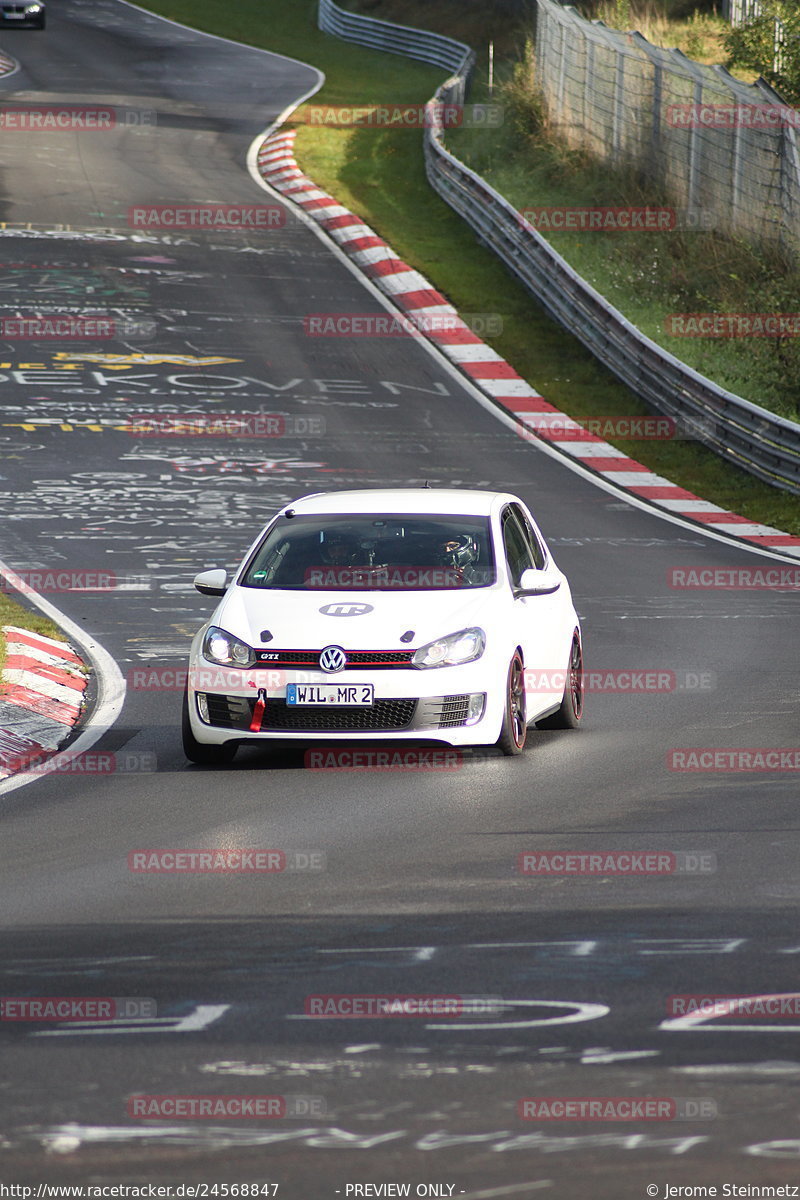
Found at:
[12, 613]
[379, 174]
[697, 30]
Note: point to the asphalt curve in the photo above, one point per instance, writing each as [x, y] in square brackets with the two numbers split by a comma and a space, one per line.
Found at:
[417, 888]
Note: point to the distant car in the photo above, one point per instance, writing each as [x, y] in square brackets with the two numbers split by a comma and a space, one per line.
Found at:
[417, 614]
[30, 15]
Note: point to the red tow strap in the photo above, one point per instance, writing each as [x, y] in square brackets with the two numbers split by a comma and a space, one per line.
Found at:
[258, 711]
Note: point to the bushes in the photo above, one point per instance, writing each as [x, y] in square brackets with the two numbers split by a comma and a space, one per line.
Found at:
[770, 43]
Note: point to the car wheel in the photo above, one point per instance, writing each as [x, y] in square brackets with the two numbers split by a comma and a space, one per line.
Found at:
[197, 752]
[514, 730]
[569, 713]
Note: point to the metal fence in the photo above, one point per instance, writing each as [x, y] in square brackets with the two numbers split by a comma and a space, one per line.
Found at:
[708, 141]
[753, 438]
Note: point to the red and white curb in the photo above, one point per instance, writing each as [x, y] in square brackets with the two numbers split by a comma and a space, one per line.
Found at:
[417, 299]
[41, 694]
[8, 65]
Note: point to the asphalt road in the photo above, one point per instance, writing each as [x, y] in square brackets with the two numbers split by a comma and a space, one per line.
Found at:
[418, 888]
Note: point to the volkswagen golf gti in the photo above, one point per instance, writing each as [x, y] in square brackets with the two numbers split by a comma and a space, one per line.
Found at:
[419, 614]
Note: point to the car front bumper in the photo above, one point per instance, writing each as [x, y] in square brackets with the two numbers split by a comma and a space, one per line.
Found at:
[409, 705]
[20, 21]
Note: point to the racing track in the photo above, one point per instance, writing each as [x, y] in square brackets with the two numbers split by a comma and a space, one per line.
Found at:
[420, 891]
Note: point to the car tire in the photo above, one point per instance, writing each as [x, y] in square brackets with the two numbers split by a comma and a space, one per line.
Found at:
[197, 752]
[569, 713]
[514, 730]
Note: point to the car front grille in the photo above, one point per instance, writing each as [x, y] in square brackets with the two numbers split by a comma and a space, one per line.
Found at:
[236, 712]
[455, 711]
[380, 660]
[443, 712]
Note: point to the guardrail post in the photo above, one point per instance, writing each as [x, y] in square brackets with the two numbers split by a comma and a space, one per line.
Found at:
[655, 124]
[619, 106]
[697, 97]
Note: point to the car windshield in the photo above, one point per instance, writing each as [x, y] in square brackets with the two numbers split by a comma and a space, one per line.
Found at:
[374, 553]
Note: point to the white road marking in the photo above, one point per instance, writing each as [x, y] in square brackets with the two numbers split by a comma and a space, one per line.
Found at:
[200, 1018]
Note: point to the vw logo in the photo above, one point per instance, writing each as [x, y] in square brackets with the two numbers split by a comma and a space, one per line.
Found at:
[344, 609]
[332, 659]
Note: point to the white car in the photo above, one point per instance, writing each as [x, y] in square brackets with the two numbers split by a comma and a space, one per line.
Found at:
[424, 615]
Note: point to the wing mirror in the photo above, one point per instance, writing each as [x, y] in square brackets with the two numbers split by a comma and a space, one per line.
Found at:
[212, 583]
[537, 583]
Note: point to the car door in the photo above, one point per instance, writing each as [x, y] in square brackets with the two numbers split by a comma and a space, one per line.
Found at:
[538, 620]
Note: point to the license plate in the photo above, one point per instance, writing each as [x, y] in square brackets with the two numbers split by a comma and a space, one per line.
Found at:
[346, 695]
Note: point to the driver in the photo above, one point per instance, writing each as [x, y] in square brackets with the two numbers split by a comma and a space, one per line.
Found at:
[459, 553]
[458, 550]
[339, 549]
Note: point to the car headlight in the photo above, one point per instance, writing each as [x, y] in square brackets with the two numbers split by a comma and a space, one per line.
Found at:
[227, 650]
[453, 650]
[33, 8]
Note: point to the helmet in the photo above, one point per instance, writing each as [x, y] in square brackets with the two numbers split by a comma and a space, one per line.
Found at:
[459, 550]
[338, 548]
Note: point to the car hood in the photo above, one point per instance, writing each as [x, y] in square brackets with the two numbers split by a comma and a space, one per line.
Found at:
[296, 620]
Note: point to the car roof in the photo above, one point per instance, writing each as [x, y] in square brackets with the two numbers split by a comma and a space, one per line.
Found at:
[450, 501]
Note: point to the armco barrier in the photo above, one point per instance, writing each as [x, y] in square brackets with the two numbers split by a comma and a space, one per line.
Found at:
[427, 47]
[755, 439]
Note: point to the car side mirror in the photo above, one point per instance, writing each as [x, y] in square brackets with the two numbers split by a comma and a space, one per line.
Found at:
[537, 583]
[212, 583]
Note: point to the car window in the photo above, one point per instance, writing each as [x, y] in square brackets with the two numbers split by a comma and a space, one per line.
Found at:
[396, 552]
[519, 554]
[536, 548]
